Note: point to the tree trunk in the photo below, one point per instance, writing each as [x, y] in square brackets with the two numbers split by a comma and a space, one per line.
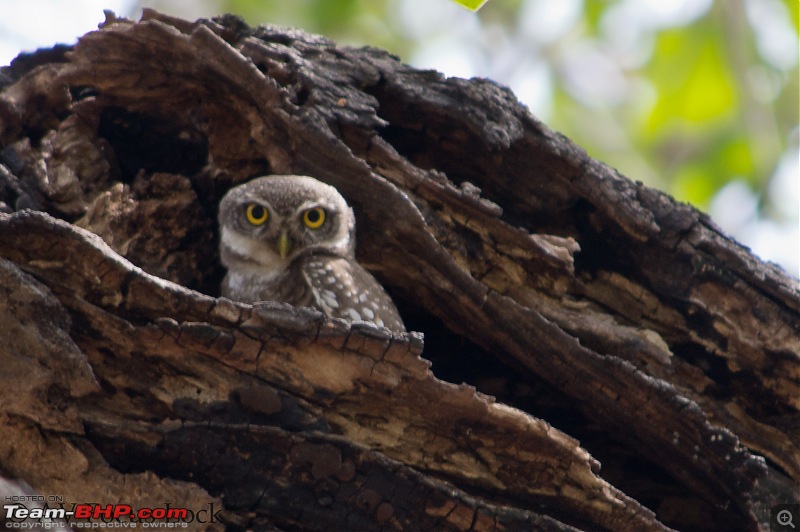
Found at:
[624, 364]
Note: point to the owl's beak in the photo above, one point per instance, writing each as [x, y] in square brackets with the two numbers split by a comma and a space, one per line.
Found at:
[284, 244]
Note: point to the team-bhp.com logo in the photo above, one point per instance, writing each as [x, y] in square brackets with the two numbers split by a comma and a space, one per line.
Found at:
[21, 516]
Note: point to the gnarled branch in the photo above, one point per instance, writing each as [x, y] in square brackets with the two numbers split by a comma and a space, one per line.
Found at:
[623, 329]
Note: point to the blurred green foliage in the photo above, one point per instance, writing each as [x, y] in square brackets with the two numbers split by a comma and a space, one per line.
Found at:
[346, 21]
[473, 5]
[702, 108]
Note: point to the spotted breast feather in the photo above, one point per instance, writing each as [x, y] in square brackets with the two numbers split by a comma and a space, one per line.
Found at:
[344, 289]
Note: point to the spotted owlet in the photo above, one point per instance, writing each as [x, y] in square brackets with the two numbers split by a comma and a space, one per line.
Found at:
[292, 239]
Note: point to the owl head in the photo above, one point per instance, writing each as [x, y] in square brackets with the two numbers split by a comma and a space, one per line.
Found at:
[267, 222]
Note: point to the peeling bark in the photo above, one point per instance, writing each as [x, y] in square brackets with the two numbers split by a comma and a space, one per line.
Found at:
[624, 364]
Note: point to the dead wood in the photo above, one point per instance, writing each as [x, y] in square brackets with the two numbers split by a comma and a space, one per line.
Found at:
[624, 364]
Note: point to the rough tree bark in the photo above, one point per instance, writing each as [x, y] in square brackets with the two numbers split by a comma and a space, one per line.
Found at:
[596, 355]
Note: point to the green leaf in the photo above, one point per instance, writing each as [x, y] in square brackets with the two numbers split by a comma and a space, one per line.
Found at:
[691, 183]
[792, 5]
[734, 158]
[472, 5]
[693, 80]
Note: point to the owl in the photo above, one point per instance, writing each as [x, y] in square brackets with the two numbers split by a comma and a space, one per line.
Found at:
[292, 238]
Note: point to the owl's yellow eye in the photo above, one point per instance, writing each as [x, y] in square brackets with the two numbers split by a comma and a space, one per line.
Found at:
[256, 214]
[314, 218]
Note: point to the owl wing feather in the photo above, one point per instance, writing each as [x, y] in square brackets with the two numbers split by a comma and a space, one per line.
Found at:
[344, 289]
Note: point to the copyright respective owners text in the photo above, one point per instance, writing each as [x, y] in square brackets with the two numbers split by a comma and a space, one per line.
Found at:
[784, 517]
[35, 512]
